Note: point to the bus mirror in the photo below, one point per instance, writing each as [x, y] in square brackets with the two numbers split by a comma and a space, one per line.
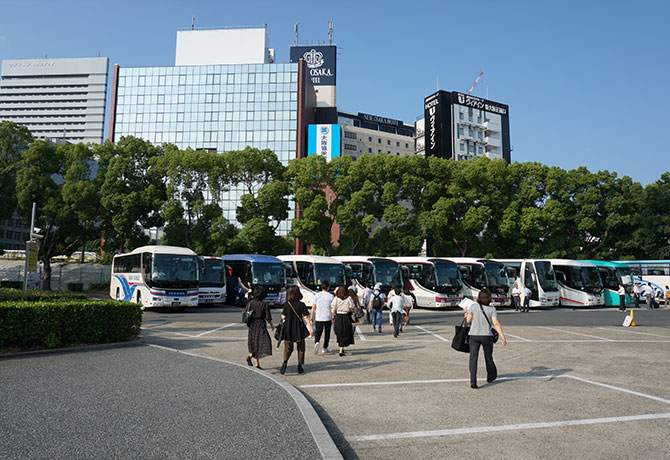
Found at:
[229, 270]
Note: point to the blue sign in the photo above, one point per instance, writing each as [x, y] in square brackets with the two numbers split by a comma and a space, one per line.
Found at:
[324, 140]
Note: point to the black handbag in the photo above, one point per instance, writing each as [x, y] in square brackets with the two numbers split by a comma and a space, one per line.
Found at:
[461, 340]
[278, 331]
[494, 333]
[247, 316]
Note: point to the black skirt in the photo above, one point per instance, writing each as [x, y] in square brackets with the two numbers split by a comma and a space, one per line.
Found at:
[343, 330]
[294, 329]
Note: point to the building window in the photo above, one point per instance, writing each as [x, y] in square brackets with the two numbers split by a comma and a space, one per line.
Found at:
[388, 142]
[397, 144]
[470, 132]
[369, 138]
[406, 145]
[471, 148]
[481, 150]
[349, 135]
[460, 115]
[379, 150]
[350, 147]
[460, 131]
[462, 147]
[379, 141]
[369, 149]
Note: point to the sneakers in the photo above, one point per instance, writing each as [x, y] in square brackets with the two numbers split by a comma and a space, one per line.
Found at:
[282, 371]
[324, 351]
[380, 331]
[317, 346]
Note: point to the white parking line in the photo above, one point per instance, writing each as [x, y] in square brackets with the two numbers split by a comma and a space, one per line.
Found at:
[169, 332]
[360, 333]
[577, 333]
[217, 329]
[633, 332]
[415, 382]
[517, 337]
[520, 426]
[431, 333]
[612, 387]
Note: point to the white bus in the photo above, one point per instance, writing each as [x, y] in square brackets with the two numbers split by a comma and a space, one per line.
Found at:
[156, 276]
[368, 271]
[539, 276]
[578, 282]
[435, 282]
[212, 286]
[656, 272]
[484, 273]
[307, 272]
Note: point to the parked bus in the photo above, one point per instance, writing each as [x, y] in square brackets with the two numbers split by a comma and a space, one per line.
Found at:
[435, 282]
[539, 276]
[307, 272]
[368, 271]
[156, 276]
[246, 271]
[579, 283]
[656, 272]
[612, 274]
[212, 287]
[484, 273]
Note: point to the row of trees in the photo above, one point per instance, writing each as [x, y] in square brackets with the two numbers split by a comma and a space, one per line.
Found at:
[384, 204]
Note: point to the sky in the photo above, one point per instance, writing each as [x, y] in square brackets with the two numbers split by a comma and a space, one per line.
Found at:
[584, 80]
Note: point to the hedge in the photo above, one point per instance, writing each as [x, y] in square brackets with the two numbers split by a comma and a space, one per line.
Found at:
[54, 323]
[11, 284]
[31, 296]
[101, 286]
[78, 287]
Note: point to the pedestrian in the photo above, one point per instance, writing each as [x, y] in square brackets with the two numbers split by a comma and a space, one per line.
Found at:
[527, 293]
[481, 317]
[516, 296]
[408, 307]
[667, 296]
[295, 315]
[322, 318]
[636, 294]
[622, 297]
[650, 296]
[375, 305]
[397, 305]
[343, 305]
[259, 342]
[366, 298]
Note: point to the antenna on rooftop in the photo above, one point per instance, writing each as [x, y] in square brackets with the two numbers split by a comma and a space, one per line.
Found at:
[192, 22]
[330, 32]
[476, 81]
[295, 27]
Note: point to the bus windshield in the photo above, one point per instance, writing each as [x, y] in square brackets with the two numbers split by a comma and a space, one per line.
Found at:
[268, 273]
[172, 270]
[212, 273]
[546, 276]
[584, 279]
[447, 275]
[387, 272]
[334, 273]
[495, 275]
[626, 276]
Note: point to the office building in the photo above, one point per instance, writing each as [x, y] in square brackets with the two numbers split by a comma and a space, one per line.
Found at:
[365, 133]
[459, 126]
[62, 100]
[13, 233]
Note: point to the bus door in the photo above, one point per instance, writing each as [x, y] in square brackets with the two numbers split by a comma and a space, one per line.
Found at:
[530, 280]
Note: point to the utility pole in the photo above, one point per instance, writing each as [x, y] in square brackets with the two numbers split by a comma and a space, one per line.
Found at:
[32, 247]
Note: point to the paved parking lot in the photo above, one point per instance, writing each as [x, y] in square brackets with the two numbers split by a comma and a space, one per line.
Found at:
[572, 384]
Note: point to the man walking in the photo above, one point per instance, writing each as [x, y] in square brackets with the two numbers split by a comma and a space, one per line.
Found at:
[526, 299]
[321, 316]
[375, 305]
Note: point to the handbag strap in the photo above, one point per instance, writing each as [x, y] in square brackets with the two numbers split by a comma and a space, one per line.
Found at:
[483, 313]
[296, 314]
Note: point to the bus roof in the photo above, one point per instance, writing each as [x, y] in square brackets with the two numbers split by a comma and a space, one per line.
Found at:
[251, 258]
[310, 258]
[660, 261]
[471, 260]
[368, 259]
[606, 263]
[574, 263]
[417, 259]
[155, 249]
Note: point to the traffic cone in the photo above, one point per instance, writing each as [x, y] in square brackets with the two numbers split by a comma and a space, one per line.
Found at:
[632, 315]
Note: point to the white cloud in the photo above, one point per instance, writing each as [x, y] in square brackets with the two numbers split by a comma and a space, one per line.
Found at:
[3, 38]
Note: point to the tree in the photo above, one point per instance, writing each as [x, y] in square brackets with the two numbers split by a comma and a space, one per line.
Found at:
[251, 168]
[14, 139]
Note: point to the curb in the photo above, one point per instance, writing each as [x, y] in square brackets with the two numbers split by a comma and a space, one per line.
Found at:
[322, 438]
[75, 349]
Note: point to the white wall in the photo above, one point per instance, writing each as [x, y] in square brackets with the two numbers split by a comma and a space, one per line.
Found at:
[222, 46]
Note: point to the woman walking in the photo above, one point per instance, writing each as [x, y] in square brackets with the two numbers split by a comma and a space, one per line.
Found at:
[343, 305]
[482, 317]
[295, 315]
[258, 339]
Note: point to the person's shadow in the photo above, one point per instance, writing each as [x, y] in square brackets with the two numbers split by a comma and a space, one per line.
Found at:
[535, 372]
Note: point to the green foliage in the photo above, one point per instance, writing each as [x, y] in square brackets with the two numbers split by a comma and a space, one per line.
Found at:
[101, 286]
[54, 323]
[75, 287]
[14, 139]
[30, 296]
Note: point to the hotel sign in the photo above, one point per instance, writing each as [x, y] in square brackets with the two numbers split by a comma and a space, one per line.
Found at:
[321, 62]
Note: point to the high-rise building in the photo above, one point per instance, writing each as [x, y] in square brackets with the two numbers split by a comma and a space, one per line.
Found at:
[459, 126]
[365, 133]
[62, 100]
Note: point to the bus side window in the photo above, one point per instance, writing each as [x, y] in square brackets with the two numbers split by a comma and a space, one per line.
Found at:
[146, 265]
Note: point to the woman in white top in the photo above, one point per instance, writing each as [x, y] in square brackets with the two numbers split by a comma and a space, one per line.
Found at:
[342, 305]
[480, 335]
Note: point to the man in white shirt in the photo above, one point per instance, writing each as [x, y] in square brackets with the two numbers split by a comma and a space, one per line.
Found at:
[636, 294]
[622, 298]
[527, 293]
[375, 305]
[321, 317]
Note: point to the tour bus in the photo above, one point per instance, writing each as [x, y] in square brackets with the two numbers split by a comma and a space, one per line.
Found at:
[368, 271]
[578, 282]
[246, 271]
[656, 272]
[484, 273]
[307, 272]
[156, 276]
[435, 282]
[212, 287]
[612, 274]
[538, 275]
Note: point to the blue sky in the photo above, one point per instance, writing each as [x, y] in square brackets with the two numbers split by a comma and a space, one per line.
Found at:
[586, 81]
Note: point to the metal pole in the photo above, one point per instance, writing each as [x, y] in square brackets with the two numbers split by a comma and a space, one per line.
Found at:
[32, 227]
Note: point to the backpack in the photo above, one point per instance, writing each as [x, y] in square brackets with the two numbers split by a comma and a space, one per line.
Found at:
[376, 301]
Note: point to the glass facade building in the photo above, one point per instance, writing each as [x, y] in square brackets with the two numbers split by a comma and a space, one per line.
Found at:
[215, 107]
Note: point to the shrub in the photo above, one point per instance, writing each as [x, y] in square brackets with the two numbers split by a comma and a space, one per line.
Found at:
[11, 284]
[102, 286]
[32, 296]
[57, 323]
[75, 287]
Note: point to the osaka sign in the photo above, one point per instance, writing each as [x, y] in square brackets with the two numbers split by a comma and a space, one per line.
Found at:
[321, 62]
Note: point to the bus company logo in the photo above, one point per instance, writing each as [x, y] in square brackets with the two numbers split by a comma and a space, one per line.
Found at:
[313, 58]
[324, 130]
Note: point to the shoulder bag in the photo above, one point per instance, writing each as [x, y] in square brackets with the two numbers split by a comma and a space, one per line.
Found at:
[494, 333]
[247, 316]
[461, 340]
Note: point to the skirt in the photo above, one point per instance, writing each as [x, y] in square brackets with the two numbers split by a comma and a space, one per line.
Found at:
[294, 329]
[258, 340]
[343, 330]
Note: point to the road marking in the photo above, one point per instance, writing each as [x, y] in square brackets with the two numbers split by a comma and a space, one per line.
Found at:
[431, 333]
[577, 333]
[517, 337]
[415, 382]
[217, 329]
[360, 333]
[169, 332]
[521, 426]
[633, 332]
[612, 387]
[160, 322]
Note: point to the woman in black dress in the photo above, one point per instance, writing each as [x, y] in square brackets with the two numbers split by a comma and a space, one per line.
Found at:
[258, 341]
[342, 305]
[295, 315]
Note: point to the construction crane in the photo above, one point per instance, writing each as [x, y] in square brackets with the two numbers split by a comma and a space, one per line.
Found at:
[476, 81]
